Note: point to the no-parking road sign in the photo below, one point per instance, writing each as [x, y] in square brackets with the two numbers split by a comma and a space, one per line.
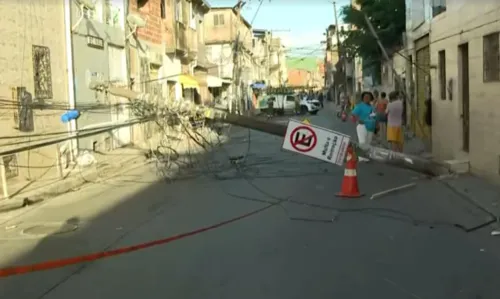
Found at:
[303, 139]
[316, 142]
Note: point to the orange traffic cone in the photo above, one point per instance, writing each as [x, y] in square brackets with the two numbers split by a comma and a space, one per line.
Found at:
[350, 188]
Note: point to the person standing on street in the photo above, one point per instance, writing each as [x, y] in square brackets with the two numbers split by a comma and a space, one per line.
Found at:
[395, 122]
[297, 104]
[365, 119]
[321, 99]
[380, 108]
[270, 108]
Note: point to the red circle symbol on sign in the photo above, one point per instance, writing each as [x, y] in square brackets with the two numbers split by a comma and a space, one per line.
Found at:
[303, 139]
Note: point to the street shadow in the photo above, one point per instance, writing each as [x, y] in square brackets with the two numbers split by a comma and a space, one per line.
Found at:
[199, 190]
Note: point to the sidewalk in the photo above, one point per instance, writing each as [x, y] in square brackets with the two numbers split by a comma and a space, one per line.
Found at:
[471, 188]
[107, 165]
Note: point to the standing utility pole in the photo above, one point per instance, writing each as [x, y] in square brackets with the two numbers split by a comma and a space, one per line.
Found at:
[342, 52]
[236, 60]
[396, 75]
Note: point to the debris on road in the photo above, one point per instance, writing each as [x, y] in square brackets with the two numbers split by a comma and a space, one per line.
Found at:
[392, 190]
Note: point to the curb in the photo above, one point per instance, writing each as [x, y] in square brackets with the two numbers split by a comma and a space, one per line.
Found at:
[22, 204]
[17, 206]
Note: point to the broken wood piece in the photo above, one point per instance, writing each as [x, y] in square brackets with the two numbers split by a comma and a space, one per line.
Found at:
[389, 191]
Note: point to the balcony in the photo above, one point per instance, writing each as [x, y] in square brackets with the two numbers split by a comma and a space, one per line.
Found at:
[192, 42]
[186, 40]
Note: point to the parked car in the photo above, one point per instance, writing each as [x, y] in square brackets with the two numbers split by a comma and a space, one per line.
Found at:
[285, 104]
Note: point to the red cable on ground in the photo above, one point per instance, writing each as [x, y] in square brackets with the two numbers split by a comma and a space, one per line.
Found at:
[53, 264]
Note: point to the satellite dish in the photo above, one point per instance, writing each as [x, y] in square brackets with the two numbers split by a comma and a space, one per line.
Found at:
[136, 21]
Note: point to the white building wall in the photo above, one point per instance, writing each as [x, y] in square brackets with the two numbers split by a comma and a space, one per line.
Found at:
[465, 22]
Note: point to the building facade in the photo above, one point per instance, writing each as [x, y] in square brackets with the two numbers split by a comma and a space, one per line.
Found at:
[299, 78]
[278, 73]
[261, 45]
[223, 26]
[34, 72]
[465, 84]
[419, 18]
[99, 54]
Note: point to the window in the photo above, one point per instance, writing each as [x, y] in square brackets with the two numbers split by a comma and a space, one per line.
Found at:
[163, 9]
[192, 16]
[290, 98]
[218, 19]
[23, 115]
[113, 14]
[117, 65]
[178, 11]
[442, 74]
[141, 3]
[89, 13]
[438, 7]
[10, 164]
[491, 57]
[96, 14]
[42, 73]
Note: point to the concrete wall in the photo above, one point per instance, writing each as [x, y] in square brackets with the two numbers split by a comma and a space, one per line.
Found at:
[89, 62]
[221, 55]
[39, 23]
[219, 33]
[228, 32]
[466, 23]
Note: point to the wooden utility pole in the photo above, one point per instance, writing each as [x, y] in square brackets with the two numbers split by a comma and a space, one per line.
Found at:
[236, 61]
[342, 52]
[381, 155]
[396, 75]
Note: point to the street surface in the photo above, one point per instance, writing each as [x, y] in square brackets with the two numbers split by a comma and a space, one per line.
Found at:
[401, 246]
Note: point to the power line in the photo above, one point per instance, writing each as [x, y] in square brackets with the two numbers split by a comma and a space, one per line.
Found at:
[52, 142]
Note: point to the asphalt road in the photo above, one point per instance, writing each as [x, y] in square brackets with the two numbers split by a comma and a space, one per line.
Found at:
[311, 245]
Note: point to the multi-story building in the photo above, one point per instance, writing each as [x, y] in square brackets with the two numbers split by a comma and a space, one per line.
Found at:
[167, 52]
[299, 78]
[278, 74]
[34, 92]
[340, 74]
[98, 45]
[223, 26]
[261, 54]
[465, 76]
[183, 46]
[331, 56]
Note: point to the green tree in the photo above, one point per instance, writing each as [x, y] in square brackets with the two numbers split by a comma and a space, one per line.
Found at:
[388, 17]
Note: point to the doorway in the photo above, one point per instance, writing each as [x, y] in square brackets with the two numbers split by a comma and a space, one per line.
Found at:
[120, 110]
[464, 86]
[422, 92]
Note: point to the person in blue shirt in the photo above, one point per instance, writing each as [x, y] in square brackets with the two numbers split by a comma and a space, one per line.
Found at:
[364, 115]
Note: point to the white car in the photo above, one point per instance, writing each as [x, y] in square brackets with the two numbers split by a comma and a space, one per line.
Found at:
[285, 104]
[310, 107]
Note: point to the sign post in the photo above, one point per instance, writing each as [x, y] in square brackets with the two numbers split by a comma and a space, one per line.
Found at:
[316, 142]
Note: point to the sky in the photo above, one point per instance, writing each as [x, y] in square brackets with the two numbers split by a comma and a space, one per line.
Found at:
[306, 21]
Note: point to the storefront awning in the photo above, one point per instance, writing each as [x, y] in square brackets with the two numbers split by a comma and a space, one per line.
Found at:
[188, 81]
[213, 81]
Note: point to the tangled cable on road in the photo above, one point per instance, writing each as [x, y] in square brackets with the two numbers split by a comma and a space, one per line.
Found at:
[178, 123]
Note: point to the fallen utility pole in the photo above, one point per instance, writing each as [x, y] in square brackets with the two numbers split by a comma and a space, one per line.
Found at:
[381, 155]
